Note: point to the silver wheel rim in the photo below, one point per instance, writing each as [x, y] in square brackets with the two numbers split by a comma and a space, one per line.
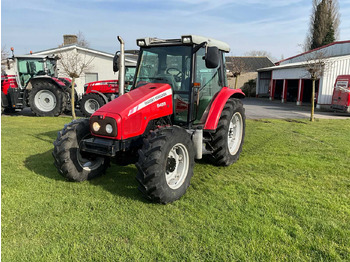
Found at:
[89, 164]
[45, 100]
[177, 166]
[235, 131]
[91, 105]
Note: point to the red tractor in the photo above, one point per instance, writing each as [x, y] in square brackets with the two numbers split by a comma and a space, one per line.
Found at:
[179, 108]
[32, 81]
[99, 93]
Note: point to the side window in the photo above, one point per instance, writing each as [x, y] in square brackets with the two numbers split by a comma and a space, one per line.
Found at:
[210, 83]
[209, 79]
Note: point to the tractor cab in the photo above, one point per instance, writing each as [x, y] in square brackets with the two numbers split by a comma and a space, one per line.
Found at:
[193, 66]
[29, 66]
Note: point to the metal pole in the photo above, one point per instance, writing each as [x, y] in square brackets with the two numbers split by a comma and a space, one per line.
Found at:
[121, 67]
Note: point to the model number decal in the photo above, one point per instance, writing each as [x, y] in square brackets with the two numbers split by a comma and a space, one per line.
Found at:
[151, 101]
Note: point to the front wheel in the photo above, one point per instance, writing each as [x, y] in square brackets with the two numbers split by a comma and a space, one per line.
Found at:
[228, 139]
[90, 103]
[70, 161]
[165, 165]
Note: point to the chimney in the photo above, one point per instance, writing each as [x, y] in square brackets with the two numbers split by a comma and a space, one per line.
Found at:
[70, 39]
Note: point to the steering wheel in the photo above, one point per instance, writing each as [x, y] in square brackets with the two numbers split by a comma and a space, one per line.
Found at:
[175, 72]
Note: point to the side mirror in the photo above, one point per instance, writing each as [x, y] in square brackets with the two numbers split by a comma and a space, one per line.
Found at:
[212, 57]
[116, 62]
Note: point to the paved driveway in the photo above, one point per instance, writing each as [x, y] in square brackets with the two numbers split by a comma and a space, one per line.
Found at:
[257, 108]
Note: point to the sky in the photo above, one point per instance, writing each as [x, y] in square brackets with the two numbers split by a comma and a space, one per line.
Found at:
[276, 26]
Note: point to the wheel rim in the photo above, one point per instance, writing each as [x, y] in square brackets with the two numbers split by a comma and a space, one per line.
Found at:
[235, 131]
[45, 100]
[91, 105]
[87, 162]
[177, 166]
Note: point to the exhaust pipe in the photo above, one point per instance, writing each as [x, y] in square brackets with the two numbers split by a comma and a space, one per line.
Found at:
[121, 76]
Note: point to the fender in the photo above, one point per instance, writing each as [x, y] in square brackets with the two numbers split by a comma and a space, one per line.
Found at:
[218, 104]
[101, 94]
[31, 83]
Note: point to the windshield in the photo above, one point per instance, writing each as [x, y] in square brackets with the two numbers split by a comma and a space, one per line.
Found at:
[165, 64]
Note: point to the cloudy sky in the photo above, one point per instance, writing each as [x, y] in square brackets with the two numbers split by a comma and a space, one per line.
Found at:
[276, 26]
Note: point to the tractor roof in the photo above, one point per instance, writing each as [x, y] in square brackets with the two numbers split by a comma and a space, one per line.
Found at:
[34, 56]
[184, 40]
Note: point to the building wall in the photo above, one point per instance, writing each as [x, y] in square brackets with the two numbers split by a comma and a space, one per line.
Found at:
[333, 67]
[241, 79]
[336, 66]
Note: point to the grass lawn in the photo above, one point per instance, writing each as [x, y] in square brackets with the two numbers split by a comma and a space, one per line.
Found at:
[287, 198]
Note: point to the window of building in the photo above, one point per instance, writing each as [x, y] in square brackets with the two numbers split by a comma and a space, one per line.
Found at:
[91, 77]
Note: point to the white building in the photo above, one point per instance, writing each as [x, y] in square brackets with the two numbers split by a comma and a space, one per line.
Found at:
[100, 68]
[290, 81]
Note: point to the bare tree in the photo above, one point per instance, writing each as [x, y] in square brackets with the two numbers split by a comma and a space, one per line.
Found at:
[324, 24]
[74, 64]
[261, 53]
[236, 67]
[315, 66]
[82, 40]
[4, 55]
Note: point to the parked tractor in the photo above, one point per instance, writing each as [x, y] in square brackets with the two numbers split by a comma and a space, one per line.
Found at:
[179, 108]
[32, 80]
[99, 93]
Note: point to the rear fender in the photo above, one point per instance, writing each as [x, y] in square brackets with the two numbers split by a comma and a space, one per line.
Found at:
[218, 104]
[32, 82]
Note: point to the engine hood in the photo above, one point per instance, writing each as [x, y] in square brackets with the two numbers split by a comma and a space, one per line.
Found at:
[137, 107]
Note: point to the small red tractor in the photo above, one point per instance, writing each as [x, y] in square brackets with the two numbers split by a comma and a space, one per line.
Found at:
[99, 93]
[31, 80]
[179, 108]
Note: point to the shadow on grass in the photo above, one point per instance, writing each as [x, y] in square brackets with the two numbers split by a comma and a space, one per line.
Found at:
[119, 180]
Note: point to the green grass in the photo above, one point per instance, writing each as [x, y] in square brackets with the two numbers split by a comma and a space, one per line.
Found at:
[287, 198]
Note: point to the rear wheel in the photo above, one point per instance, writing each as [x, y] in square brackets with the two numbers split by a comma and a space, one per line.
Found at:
[45, 99]
[165, 165]
[71, 162]
[90, 103]
[229, 136]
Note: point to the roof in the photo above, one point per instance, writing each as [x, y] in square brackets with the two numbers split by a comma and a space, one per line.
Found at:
[185, 39]
[128, 58]
[247, 63]
[302, 64]
[339, 52]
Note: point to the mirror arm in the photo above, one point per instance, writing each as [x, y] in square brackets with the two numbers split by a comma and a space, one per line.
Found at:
[199, 47]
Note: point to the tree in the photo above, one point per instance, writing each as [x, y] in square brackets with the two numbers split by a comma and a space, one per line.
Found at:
[4, 55]
[82, 40]
[315, 66]
[74, 64]
[324, 24]
[261, 53]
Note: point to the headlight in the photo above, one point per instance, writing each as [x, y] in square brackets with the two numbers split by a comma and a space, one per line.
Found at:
[109, 128]
[96, 126]
[103, 126]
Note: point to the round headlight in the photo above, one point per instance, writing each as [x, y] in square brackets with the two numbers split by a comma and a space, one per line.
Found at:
[109, 128]
[96, 126]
